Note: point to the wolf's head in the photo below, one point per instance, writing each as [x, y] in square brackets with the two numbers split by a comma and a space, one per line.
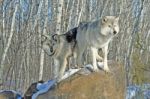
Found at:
[50, 43]
[110, 25]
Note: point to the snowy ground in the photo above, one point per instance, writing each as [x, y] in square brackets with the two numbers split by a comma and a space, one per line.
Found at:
[87, 69]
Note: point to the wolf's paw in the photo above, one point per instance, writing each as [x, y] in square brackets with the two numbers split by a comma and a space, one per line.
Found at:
[107, 70]
[96, 70]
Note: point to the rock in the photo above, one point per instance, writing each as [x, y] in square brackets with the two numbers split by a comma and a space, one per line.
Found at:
[93, 86]
[9, 94]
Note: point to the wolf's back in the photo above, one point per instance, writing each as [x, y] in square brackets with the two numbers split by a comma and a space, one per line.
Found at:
[71, 35]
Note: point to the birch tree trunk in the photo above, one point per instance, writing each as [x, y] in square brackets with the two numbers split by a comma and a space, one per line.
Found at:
[77, 11]
[42, 51]
[81, 11]
[58, 31]
[90, 9]
[29, 27]
[59, 15]
[4, 40]
[8, 44]
[71, 15]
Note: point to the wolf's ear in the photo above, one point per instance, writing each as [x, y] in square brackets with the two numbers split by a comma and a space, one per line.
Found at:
[117, 19]
[55, 37]
[44, 37]
[104, 19]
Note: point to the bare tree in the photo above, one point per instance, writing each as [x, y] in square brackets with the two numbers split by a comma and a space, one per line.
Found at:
[58, 31]
[8, 43]
[42, 51]
[23, 23]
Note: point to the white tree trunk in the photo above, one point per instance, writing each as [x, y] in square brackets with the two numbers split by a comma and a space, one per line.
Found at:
[71, 15]
[81, 11]
[90, 9]
[59, 15]
[8, 43]
[77, 12]
[104, 7]
[38, 14]
[42, 51]
[58, 31]
[33, 30]
[4, 40]
[29, 27]
[67, 5]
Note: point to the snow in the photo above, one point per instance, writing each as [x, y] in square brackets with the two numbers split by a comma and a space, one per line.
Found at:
[85, 70]
[44, 87]
[69, 73]
[138, 91]
[132, 91]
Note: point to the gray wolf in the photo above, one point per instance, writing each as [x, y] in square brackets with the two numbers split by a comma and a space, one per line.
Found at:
[60, 47]
[96, 35]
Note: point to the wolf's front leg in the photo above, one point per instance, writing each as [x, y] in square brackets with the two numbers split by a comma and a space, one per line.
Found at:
[63, 63]
[105, 51]
[94, 55]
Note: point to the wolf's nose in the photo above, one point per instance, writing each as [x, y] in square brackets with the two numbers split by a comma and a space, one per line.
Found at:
[114, 32]
[51, 49]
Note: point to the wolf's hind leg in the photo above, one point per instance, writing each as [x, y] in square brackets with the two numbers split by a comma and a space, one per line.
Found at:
[80, 51]
[94, 55]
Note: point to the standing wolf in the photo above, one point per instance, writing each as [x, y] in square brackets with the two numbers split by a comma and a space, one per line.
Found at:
[96, 35]
[60, 47]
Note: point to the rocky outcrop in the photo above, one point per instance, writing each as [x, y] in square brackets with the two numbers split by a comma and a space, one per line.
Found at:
[99, 85]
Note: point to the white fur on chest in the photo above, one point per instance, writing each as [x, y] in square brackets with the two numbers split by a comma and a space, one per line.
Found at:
[98, 41]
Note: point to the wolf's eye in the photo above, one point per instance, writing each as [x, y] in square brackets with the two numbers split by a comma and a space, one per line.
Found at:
[109, 25]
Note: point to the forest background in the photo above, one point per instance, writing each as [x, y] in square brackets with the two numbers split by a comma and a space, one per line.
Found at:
[22, 22]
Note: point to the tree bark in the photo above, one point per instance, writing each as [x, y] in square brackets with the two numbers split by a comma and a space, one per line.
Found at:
[58, 31]
[42, 51]
[71, 15]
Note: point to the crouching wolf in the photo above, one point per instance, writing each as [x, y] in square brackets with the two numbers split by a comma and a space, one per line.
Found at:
[96, 35]
[60, 47]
